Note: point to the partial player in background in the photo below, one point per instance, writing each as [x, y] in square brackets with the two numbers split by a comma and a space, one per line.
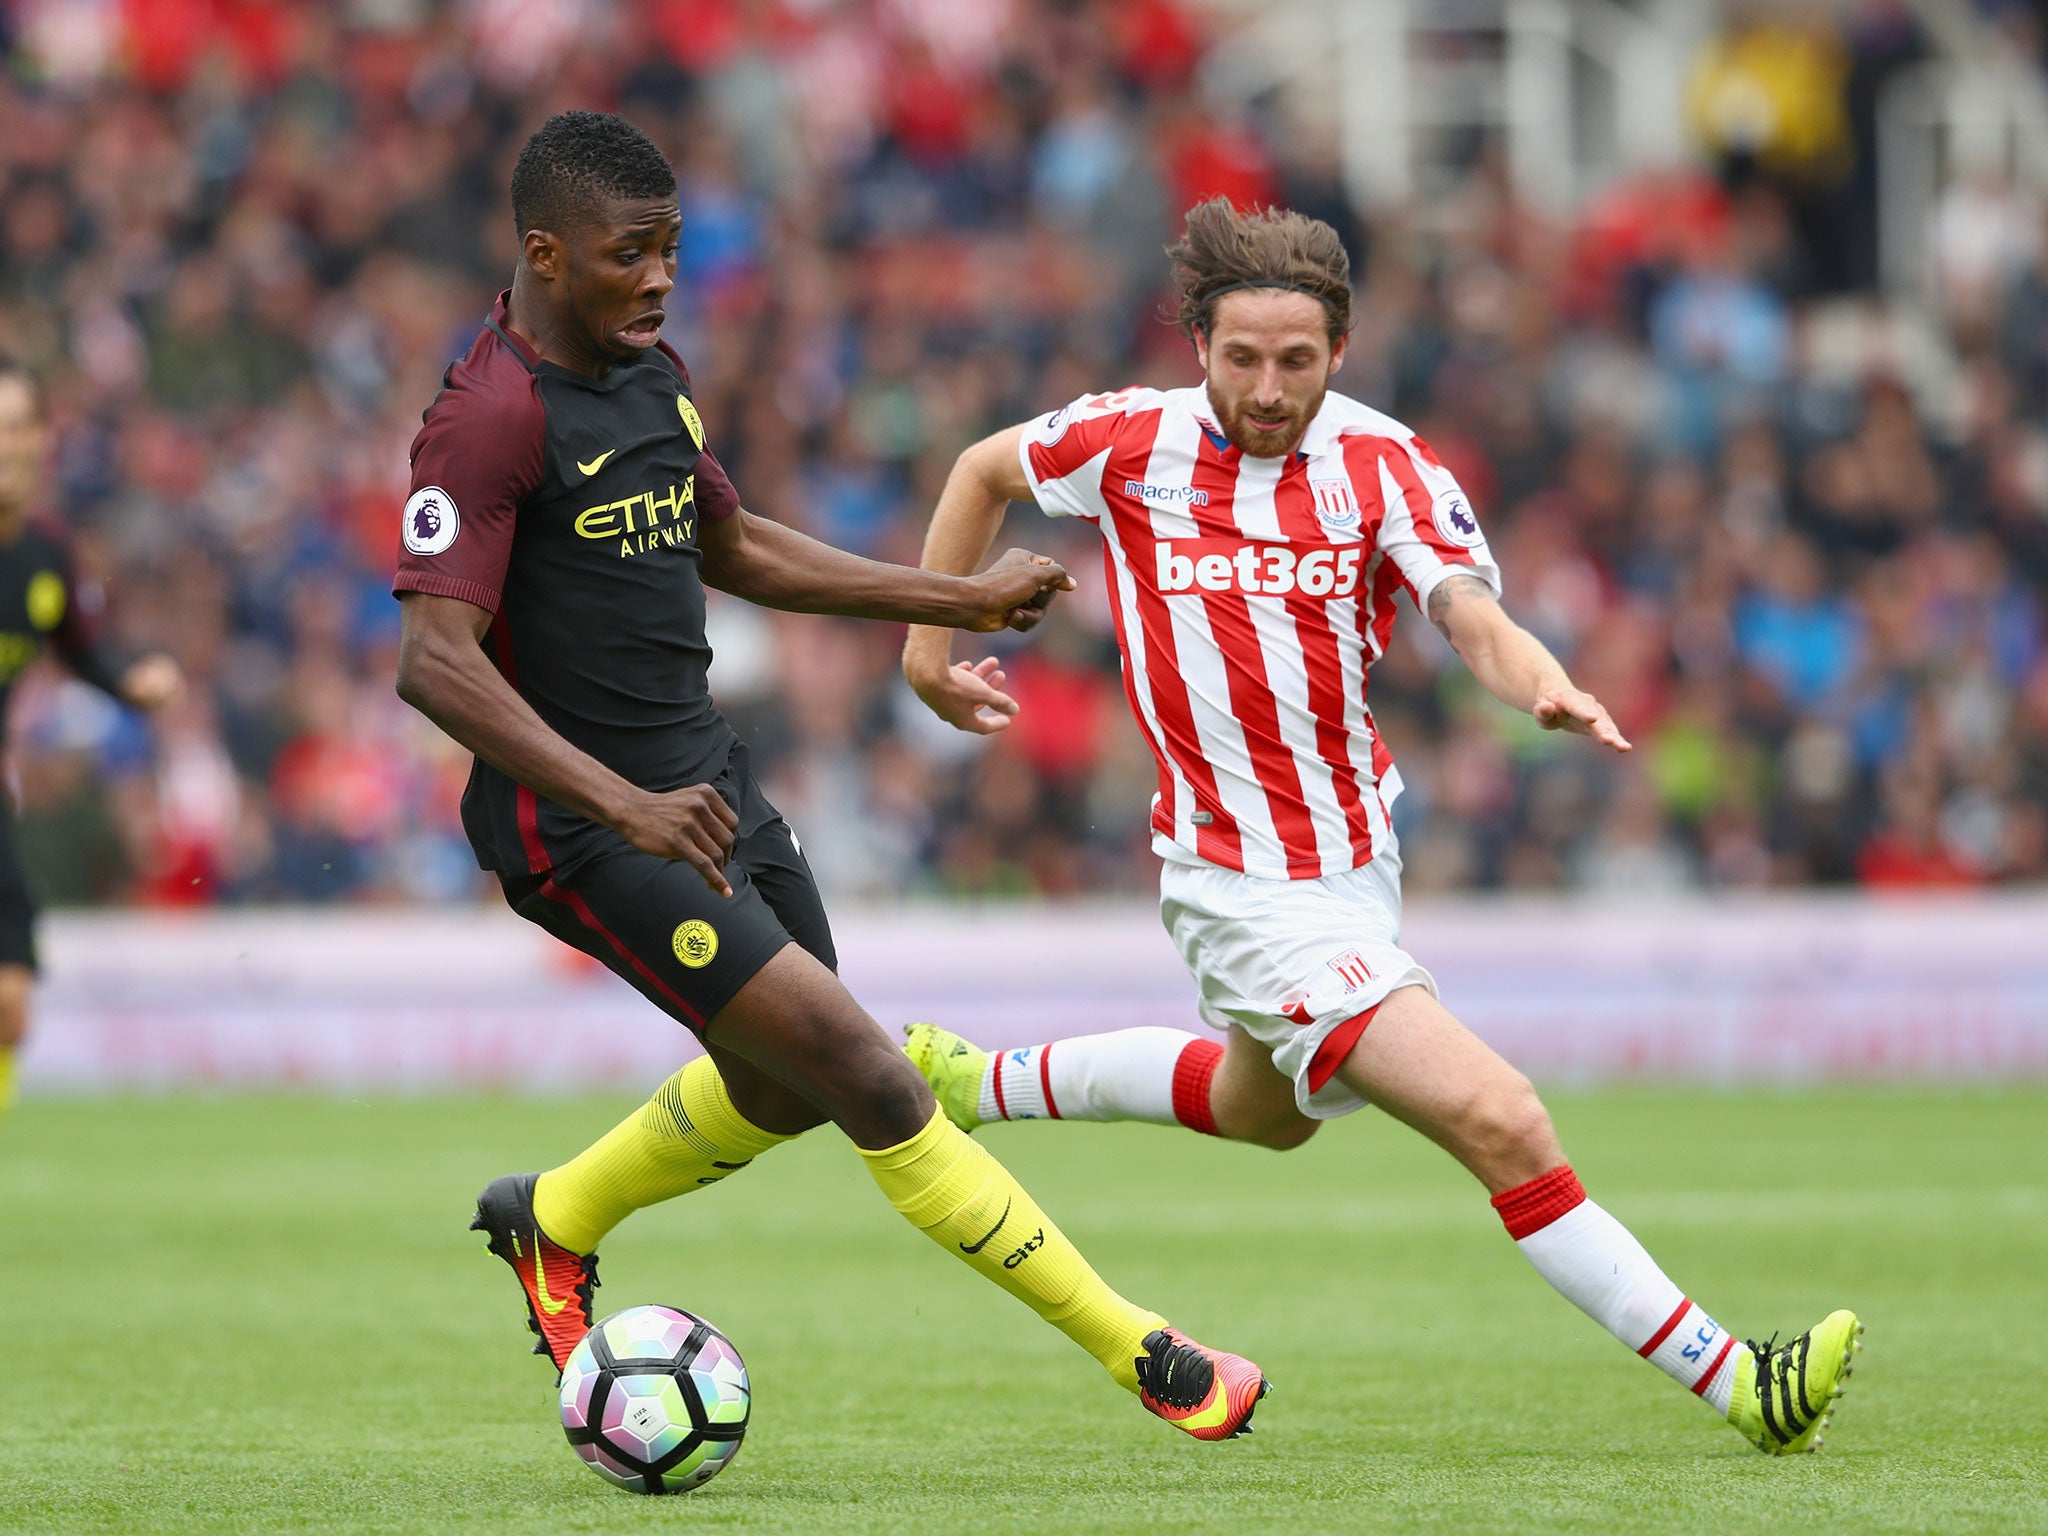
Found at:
[1257, 531]
[565, 519]
[41, 605]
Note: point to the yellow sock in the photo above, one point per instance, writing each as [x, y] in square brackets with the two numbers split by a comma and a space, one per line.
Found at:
[949, 1188]
[686, 1136]
[6, 1077]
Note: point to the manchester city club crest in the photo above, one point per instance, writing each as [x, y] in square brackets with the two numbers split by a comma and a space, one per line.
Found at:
[691, 420]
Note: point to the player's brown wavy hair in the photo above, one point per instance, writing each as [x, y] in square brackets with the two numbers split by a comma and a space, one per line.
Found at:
[1223, 250]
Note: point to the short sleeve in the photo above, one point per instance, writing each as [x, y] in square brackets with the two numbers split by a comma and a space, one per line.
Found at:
[716, 498]
[1429, 531]
[477, 456]
[1062, 453]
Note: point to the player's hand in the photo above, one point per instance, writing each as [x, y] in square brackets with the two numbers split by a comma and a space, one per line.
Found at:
[692, 824]
[1015, 592]
[1573, 709]
[969, 696]
[152, 682]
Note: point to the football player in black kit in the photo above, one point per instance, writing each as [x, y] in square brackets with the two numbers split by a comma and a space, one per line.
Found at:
[564, 520]
[40, 605]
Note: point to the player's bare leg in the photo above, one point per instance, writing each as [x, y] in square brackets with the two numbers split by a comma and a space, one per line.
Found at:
[1251, 1101]
[772, 1105]
[17, 983]
[795, 1026]
[1422, 1066]
[798, 1024]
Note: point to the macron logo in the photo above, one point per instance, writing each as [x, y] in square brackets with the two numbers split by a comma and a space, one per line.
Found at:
[1167, 495]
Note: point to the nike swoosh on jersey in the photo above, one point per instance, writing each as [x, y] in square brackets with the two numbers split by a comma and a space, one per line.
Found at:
[992, 1231]
[548, 1304]
[597, 463]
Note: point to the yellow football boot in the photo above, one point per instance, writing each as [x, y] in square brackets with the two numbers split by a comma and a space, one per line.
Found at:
[1785, 1394]
[954, 1067]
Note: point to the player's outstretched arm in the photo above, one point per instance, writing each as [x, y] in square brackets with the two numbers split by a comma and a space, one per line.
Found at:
[772, 564]
[985, 480]
[445, 675]
[146, 682]
[1512, 664]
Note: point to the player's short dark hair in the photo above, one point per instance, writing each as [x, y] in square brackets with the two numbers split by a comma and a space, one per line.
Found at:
[1224, 250]
[575, 162]
[12, 367]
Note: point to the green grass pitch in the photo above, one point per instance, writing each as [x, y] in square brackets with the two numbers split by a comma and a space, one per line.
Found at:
[259, 1315]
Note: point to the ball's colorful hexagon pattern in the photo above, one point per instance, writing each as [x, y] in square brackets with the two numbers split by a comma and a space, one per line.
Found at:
[579, 1380]
[655, 1400]
[646, 1417]
[701, 1465]
[647, 1333]
[721, 1383]
[611, 1469]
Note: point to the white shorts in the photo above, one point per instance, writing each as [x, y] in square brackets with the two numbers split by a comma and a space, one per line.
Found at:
[1297, 964]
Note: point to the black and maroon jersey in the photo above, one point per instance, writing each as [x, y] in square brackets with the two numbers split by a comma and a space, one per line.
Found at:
[570, 507]
[41, 603]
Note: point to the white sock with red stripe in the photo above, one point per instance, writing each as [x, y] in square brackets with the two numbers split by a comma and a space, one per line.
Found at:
[1604, 1272]
[1155, 1074]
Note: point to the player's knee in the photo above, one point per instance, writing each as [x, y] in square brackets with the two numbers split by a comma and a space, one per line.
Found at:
[1506, 1122]
[1512, 1127]
[901, 1098]
[872, 1092]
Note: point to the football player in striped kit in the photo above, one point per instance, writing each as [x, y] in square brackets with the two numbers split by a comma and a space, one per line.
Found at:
[1257, 529]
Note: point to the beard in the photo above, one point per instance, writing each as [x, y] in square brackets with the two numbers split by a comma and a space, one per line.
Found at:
[1259, 442]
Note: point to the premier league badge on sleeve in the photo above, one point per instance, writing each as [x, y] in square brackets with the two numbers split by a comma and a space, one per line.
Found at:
[430, 521]
[1454, 520]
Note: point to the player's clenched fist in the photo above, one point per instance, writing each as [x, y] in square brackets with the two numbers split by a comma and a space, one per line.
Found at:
[692, 824]
[1015, 592]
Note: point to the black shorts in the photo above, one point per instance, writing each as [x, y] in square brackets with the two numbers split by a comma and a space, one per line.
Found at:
[655, 923]
[17, 906]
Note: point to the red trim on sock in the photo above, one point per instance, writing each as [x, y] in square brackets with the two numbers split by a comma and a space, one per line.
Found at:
[1531, 1207]
[1335, 1047]
[1699, 1388]
[1045, 1080]
[1193, 1071]
[1002, 1110]
[1671, 1322]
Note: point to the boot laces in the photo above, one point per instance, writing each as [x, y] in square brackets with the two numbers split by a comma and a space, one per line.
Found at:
[1175, 1373]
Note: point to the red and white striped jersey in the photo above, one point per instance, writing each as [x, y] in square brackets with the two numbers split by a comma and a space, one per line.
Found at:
[1250, 597]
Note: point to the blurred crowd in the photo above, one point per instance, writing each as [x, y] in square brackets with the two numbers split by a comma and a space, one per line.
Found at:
[1795, 535]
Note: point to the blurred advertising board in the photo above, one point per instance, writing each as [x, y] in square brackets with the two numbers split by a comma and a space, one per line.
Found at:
[1789, 989]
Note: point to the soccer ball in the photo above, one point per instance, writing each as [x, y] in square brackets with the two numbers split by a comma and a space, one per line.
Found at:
[656, 1400]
